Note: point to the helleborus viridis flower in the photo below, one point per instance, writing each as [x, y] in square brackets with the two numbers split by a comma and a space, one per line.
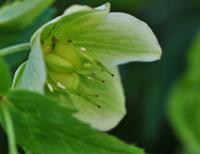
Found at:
[75, 57]
[19, 14]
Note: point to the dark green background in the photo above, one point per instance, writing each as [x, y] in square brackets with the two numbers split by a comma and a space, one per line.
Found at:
[147, 85]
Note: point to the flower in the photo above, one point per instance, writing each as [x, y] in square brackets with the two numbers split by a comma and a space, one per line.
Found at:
[75, 57]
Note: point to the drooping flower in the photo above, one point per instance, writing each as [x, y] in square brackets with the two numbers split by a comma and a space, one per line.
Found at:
[75, 57]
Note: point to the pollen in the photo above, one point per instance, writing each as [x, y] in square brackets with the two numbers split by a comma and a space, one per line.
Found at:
[83, 49]
[50, 87]
[60, 85]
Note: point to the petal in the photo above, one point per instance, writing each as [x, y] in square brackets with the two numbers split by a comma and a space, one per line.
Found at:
[114, 38]
[121, 38]
[32, 74]
[110, 99]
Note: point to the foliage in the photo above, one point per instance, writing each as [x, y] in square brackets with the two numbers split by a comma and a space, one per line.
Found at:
[184, 107]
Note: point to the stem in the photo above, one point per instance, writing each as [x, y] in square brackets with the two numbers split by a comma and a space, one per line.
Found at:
[14, 49]
[10, 130]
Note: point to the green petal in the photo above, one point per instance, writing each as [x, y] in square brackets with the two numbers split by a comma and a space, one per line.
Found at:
[110, 99]
[32, 74]
[121, 38]
[114, 38]
[18, 75]
[20, 14]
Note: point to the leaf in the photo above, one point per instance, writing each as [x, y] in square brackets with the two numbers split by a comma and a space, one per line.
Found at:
[42, 126]
[184, 112]
[5, 78]
[20, 14]
[193, 60]
[184, 107]
[6, 120]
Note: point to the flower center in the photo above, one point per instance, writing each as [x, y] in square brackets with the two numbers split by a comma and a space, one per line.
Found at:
[66, 63]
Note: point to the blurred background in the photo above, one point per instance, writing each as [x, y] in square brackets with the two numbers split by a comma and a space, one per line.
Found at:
[147, 85]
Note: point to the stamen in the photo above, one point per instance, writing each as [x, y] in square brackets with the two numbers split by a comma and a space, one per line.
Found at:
[94, 77]
[60, 85]
[54, 41]
[103, 68]
[83, 49]
[50, 87]
[69, 41]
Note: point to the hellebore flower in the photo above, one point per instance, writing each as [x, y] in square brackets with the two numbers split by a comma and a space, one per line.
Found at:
[19, 14]
[75, 56]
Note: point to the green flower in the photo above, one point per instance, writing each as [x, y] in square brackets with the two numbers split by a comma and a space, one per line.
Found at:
[75, 56]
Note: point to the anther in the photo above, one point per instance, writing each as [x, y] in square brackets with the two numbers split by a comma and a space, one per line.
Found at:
[83, 49]
[69, 41]
[50, 87]
[98, 106]
[54, 41]
[60, 85]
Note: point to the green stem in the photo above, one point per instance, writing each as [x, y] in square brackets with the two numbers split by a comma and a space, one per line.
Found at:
[15, 48]
[10, 130]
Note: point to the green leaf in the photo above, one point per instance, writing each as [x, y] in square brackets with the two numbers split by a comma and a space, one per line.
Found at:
[193, 60]
[20, 14]
[42, 126]
[5, 78]
[184, 112]
[184, 107]
[75, 71]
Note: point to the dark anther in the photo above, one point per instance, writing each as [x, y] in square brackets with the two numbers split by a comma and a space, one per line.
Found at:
[54, 41]
[49, 33]
[112, 75]
[69, 41]
[98, 106]
[103, 81]
[96, 95]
